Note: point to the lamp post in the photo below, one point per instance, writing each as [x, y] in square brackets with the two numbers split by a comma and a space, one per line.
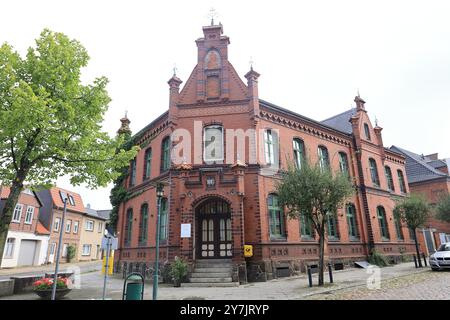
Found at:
[58, 250]
[159, 195]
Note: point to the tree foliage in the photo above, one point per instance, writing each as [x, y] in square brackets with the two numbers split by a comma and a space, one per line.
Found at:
[443, 208]
[315, 193]
[413, 210]
[51, 123]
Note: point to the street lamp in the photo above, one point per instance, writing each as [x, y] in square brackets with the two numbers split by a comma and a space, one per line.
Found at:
[58, 250]
[159, 195]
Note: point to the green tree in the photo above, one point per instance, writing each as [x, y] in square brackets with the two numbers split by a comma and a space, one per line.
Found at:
[51, 122]
[316, 193]
[443, 208]
[414, 211]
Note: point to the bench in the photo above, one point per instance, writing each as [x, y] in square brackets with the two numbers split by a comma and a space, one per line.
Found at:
[25, 283]
[6, 287]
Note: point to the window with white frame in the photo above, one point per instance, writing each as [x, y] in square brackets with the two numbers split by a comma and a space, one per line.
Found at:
[29, 215]
[89, 225]
[52, 248]
[68, 225]
[75, 227]
[269, 148]
[86, 250]
[9, 248]
[64, 251]
[17, 213]
[213, 143]
[56, 224]
[100, 227]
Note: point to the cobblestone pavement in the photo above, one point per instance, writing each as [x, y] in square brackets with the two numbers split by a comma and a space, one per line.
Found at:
[422, 286]
[348, 284]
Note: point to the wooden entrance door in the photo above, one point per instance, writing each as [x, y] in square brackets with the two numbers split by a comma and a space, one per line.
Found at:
[214, 234]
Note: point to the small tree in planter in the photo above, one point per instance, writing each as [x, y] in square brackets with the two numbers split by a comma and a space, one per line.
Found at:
[178, 270]
[70, 253]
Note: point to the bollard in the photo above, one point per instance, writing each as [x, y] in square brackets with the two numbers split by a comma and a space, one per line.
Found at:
[309, 276]
[424, 259]
[415, 261]
[330, 272]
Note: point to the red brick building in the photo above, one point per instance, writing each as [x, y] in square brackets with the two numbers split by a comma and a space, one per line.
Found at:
[428, 175]
[220, 179]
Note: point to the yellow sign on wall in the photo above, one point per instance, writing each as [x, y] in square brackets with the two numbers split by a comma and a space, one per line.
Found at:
[248, 251]
[110, 263]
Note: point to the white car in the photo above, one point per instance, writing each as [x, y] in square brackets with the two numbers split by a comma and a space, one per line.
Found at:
[441, 258]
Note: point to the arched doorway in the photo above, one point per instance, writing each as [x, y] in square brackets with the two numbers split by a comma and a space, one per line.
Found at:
[214, 236]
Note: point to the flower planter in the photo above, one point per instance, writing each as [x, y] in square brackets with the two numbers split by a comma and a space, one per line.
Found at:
[47, 293]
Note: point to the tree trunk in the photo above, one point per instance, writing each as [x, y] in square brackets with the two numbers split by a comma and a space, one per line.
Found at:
[321, 256]
[417, 248]
[7, 212]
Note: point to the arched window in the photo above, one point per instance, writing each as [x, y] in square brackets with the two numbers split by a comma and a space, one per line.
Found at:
[306, 227]
[374, 172]
[163, 222]
[398, 228]
[133, 172]
[351, 222]
[143, 225]
[343, 164]
[390, 182]
[276, 217]
[299, 152]
[213, 147]
[401, 181]
[128, 226]
[165, 154]
[324, 160]
[384, 231]
[367, 131]
[148, 163]
[332, 225]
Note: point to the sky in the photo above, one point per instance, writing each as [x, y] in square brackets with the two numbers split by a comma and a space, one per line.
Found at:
[313, 57]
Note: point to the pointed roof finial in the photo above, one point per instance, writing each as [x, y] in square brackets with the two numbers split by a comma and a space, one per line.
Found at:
[174, 69]
[251, 63]
[126, 114]
[376, 121]
[358, 94]
[212, 14]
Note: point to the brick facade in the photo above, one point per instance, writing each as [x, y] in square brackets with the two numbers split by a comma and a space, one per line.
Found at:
[215, 95]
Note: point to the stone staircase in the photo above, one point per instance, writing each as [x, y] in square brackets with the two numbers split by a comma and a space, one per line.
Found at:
[212, 273]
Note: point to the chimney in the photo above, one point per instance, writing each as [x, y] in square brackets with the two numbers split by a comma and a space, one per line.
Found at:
[252, 85]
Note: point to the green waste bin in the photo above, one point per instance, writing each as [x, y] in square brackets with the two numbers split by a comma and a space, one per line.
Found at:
[133, 287]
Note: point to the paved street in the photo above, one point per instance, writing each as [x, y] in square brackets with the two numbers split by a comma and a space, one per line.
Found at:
[397, 282]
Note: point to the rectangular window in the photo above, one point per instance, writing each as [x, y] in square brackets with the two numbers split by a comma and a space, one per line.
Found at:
[343, 164]
[213, 144]
[29, 215]
[17, 213]
[401, 181]
[86, 250]
[351, 221]
[9, 250]
[52, 248]
[269, 149]
[89, 225]
[128, 227]
[64, 250]
[100, 227]
[165, 154]
[68, 226]
[56, 224]
[75, 227]
[71, 200]
[299, 152]
[374, 172]
[383, 223]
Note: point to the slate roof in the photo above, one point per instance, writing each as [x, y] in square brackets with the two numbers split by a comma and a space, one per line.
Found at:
[341, 122]
[104, 213]
[93, 213]
[418, 167]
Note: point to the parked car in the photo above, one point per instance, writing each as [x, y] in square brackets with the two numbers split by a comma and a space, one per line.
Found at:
[441, 258]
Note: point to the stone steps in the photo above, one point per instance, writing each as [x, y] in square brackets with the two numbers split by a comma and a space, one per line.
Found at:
[212, 273]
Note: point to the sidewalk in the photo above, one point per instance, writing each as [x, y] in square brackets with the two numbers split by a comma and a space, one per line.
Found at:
[85, 266]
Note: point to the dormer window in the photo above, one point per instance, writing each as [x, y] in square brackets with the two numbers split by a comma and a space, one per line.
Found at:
[71, 200]
[367, 131]
[63, 195]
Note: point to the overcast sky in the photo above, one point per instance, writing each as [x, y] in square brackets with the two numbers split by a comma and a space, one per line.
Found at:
[313, 56]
